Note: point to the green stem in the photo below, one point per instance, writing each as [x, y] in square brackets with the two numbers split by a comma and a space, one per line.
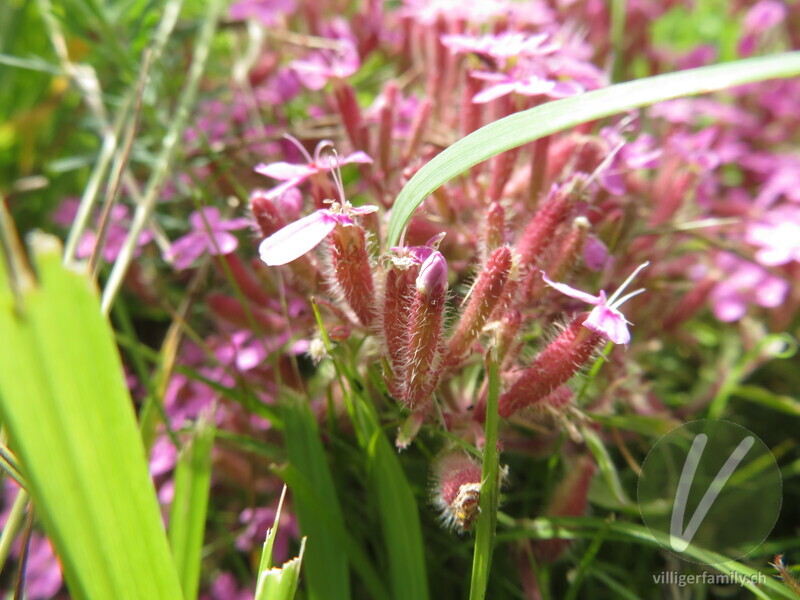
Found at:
[168, 150]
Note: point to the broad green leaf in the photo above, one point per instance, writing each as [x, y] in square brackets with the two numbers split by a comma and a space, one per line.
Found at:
[529, 125]
[187, 518]
[71, 424]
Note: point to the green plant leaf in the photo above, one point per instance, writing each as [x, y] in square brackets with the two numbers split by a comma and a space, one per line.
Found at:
[529, 125]
[281, 584]
[187, 518]
[278, 583]
[490, 491]
[71, 423]
[544, 528]
[318, 509]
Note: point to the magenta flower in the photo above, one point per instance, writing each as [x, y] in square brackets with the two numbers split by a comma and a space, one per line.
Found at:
[315, 70]
[744, 283]
[605, 319]
[116, 233]
[268, 12]
[43, 577]
[302, 236]
[777, 236]
[209, 234]
[503, 46]
[293, 175]
[529, 85]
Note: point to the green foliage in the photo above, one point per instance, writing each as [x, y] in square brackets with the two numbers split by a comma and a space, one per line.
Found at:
[69, 416]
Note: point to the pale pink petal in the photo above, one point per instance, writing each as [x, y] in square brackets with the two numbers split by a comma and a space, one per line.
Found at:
[729, 307]
[771, 292]
[572, 292]
[224, 243]
[595, 253]
[233, 224]
[363, 210]
[356, 157]
[281, 189]
[534, 86]
[609, 323]
[184, 251]
[285, 171]
[493, 92]
[211, 214]
[296, 239]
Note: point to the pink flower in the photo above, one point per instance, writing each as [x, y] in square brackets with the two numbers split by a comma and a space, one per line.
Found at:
[293, 175]
[777, 236]
[503, 46]
[43, 577]
[268, 12]
[744, 283]
[315, 71]
[209, 234]
[605, 319]
[116, 232]
[302, 236]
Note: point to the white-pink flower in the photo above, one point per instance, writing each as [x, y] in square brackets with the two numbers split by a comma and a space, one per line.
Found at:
[293, 175]
[605, 319]
[302, 236]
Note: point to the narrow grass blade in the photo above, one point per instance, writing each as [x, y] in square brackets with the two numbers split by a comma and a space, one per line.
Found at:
[187, 519]
[490, 492]
[168, 151]
[402, 533]
[278, 583]
[606, 464]
[12, 525]
[527, 126]
[362, 565]
[71, 424]
[281, 584]
[587, 527]
[327, 568]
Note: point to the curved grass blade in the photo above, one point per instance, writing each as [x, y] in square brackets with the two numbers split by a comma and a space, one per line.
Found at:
[587, 527]
[529, 125]
[71, 424]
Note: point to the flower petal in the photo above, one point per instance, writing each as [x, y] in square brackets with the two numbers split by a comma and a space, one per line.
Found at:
[294, 240]
[209, 213]
[572, 292]
[285, 171]
[609, 323]
[356, 157]
[224, 243]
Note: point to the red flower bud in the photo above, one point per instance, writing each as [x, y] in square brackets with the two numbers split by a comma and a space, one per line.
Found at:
[485, 296]
[554, 366]
[423, 354]
[352, 271]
